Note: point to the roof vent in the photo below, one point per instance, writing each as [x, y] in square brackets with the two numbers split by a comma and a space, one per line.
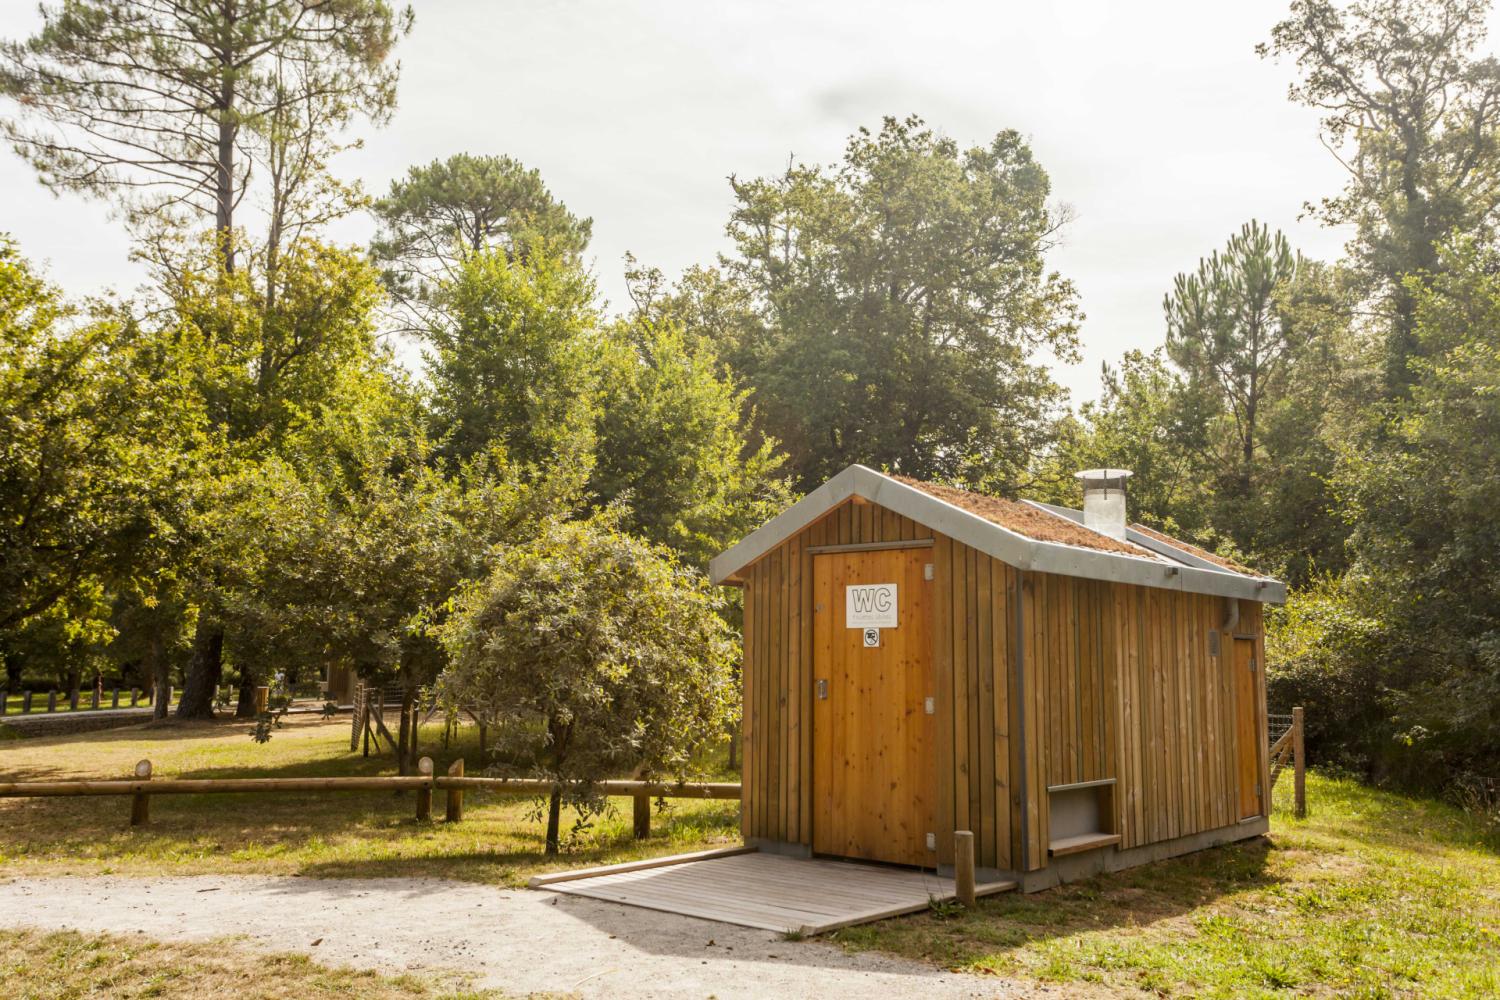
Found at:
[1104, 501]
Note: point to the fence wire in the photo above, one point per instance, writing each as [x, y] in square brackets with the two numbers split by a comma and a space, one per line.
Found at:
[1277, 726]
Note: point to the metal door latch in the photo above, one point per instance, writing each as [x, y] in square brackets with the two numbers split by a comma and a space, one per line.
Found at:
[931, 706]
[822, 689]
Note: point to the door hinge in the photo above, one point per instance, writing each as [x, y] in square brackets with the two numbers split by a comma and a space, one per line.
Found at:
[927, 571]
[1257, 789]
[1252, 664]
[822, 688]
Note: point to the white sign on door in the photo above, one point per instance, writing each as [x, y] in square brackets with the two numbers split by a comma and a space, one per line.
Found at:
[870, 605]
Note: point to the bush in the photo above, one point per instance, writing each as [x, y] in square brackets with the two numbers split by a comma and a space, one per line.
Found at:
[594, 654]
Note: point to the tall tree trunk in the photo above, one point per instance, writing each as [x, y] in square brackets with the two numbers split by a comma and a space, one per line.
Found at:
[249, 678]
[224, 171]
[159, 669]
[205, 671]
[13, 679]
[554, 818]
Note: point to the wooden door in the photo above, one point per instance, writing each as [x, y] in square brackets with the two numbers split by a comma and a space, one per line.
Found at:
[873, 770]
[1248, 735]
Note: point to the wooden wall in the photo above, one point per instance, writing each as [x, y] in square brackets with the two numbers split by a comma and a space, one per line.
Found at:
[1116, 682]
[1124, 684]
[776, 726]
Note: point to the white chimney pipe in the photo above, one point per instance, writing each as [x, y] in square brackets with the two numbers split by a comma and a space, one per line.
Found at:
[1104, 501]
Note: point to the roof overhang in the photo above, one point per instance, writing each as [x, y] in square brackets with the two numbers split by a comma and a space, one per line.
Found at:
[1181, 570]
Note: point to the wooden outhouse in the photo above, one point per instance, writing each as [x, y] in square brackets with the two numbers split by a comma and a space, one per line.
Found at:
[1080, 693]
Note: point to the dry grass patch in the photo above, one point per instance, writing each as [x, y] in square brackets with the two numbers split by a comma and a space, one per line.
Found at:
[60, 965]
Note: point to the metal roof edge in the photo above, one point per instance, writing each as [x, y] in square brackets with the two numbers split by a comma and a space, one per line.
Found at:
[993, 539]
[1268, 588]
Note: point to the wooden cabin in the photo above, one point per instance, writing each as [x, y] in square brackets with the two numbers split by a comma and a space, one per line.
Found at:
[1080, 693]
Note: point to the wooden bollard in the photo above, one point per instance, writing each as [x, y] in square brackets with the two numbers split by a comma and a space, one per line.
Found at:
[114, 698]
[72, 701]
[26, 703]
[262, 700]
[4, 701]
[642, 814]
[140, 802]
[52, 700]
[135, 697]
[1299, 764]
[424, 794]
[455, 810]
[963, 867]
[94, 698]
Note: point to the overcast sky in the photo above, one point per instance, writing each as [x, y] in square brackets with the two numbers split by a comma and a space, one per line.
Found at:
[1160, 127]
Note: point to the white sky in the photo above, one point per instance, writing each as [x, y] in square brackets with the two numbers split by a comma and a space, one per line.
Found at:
[1157, 122]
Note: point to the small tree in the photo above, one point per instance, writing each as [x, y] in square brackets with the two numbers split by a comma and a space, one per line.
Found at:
[596, 653]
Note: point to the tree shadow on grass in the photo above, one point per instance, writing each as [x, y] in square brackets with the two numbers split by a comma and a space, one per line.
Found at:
[1129, 899]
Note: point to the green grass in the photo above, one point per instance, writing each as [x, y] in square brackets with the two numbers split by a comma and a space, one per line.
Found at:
[61, 965]
[1372, 895]
[314, 834]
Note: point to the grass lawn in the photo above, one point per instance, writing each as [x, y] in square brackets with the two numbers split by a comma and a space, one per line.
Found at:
[61, 965]
[344, 834]
[1373, 895]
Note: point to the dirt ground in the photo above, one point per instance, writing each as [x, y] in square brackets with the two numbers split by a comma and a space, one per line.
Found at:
[518, 941]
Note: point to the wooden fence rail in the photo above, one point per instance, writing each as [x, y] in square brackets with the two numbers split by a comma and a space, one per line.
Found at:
[142, 787]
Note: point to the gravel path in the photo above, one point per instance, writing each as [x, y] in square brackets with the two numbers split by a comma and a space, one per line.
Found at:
[519, 941]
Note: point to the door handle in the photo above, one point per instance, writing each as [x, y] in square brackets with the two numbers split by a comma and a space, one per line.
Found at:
[822, 689]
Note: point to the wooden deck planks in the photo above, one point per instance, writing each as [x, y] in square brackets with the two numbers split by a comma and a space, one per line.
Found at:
[772, 892]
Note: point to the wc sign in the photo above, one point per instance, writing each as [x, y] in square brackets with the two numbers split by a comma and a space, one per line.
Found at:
[870, 605]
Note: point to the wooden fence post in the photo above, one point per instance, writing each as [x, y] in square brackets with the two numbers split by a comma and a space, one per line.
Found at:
[424, 794]
[455, 811]
[72, 701]
[26, 703]
[262, 700]
[140, 802]
[641, 810]
[114, 698]
[52, 700]
[1299, 764]
[4, 700]
[94, 698]
[963, 867]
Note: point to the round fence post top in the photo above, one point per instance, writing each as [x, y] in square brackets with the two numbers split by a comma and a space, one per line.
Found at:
[424, 766]
[143, 769]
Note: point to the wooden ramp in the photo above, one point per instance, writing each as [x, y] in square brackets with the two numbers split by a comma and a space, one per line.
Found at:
[768, 891]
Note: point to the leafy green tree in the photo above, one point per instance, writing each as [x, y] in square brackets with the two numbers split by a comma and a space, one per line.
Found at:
[263, 366]
[514, 362]
[1225, 332]
[1411, 109]
[168, 108]
[93, 418]
[1420, 494]
[598, 654]
[675, 443]
[440, 214]
[900, 301]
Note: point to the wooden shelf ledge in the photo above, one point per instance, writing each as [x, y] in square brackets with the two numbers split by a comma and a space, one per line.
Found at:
[1082, 842]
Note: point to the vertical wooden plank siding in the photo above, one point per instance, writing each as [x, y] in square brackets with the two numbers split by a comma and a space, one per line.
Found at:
[1116, 681]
